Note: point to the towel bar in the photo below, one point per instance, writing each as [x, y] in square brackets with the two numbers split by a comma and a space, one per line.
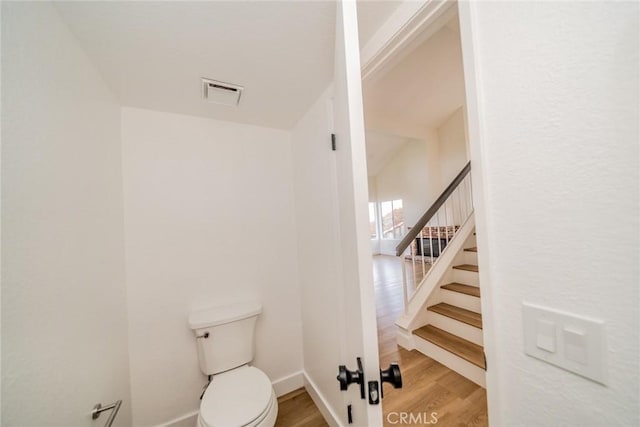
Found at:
[98, 409]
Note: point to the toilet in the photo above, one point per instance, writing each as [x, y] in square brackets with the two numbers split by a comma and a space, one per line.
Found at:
[239, 395]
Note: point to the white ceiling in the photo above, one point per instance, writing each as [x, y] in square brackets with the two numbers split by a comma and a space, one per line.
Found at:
[153, 54]
[371, 15]
[414, 96]
[421, 91]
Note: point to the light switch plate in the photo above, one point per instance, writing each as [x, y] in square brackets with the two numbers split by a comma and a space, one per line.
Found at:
[572, 342]
[546, 335]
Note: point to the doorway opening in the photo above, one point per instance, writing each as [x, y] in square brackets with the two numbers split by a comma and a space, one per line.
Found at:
[416, 139]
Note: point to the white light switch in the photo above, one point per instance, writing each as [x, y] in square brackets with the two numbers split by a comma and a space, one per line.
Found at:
[546, 335]
[572, 342]
[575, 345]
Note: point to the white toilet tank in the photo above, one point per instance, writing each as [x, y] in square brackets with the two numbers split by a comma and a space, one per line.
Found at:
[225, 335]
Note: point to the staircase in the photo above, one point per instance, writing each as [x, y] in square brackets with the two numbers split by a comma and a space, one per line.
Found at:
[442, 316]
[452, 334]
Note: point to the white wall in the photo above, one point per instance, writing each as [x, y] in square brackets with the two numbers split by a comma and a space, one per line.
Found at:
[64, 319]
[452, 147]
[555, 128]
[413, 176]
[209, 216]
[420, 171]
[318, 234]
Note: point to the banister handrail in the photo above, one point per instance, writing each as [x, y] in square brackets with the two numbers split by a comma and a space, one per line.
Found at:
[417, 228]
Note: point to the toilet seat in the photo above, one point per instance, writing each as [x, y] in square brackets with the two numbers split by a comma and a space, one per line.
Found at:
[239, 397]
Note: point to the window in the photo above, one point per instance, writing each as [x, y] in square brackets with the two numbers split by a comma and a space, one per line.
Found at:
[373, 223]
[392, 219]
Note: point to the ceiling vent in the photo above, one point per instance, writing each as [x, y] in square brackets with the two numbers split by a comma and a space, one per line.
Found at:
[221, 93]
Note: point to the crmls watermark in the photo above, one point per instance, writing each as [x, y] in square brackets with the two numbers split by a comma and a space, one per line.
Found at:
[420, 418]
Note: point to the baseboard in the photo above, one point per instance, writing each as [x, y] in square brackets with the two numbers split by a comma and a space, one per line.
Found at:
[329, 416]
[187, 420]
[404, 338]
[289, 383]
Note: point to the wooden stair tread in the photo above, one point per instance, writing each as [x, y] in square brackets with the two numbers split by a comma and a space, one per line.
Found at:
[467, 350]
[457, 313]
[466, 267]
[474, 249]
[463, 289]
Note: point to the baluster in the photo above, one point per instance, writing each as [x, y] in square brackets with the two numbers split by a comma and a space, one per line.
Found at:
[471, 191]
[430, 242]
[414, 253]
[446, 223]
[462, 216]
[439, 232]
[405, 294]
[421, 254]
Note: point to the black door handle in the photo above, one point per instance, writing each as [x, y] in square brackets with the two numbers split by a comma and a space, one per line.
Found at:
[391, 375]
[346, 377]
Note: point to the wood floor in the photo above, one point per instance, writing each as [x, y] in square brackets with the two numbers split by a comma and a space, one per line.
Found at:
[428, 386]
[430, 390]
[296, 409]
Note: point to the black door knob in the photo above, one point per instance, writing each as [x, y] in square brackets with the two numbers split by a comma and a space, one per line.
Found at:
[346, 377]
[392, 375]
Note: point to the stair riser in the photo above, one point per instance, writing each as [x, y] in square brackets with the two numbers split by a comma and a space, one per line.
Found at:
[461, 300]
[470, 258]
[455, 327]
[466, 277]
[453, 362]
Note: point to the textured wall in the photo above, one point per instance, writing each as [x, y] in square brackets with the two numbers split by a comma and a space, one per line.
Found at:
[558, 127]
[64, 317]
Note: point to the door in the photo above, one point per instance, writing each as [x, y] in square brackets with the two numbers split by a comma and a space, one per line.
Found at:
[360, 332]
[336, 283]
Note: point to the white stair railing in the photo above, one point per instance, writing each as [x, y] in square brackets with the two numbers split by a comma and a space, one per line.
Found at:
[423, 244]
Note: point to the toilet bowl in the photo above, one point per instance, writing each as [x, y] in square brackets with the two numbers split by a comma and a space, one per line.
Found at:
[238, 395]
[241, 397]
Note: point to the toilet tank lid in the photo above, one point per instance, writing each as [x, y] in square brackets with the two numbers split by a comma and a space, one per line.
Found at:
[223, 314]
